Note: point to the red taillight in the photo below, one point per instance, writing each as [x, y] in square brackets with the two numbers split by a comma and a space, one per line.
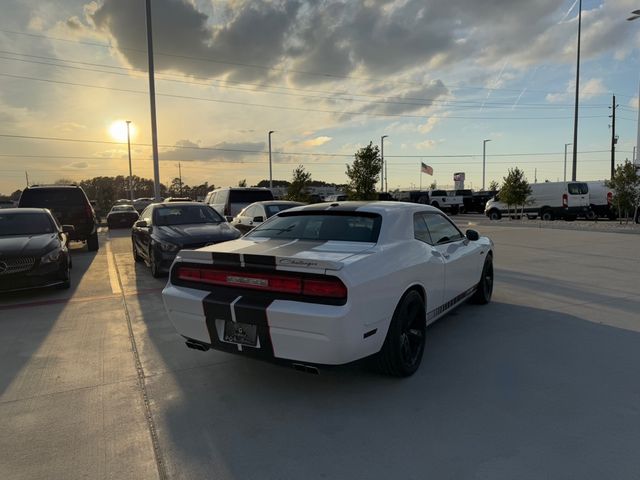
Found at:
[609, 198]
[565, 200]
[329, 287]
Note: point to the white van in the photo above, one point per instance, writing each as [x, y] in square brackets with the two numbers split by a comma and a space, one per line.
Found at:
[600, 200]
[549, 200]
[229, 201]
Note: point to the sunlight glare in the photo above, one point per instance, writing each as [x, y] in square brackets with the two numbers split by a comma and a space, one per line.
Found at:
[118, 130]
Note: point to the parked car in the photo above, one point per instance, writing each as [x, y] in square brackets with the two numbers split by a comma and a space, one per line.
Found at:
[340, 197]
[441, 199]
[549, 200]
[165, 228]
[258, 212]
[69, 206]
[467, 199]
[122, 216]
[33, 250]
[141, 203]
[230, 201]
[177, 199]
[479, 200]
[324, 285]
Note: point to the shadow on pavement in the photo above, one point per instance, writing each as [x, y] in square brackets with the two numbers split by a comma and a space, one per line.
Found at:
[503, 392]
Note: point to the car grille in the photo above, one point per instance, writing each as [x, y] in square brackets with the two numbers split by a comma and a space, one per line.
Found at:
[16, 265]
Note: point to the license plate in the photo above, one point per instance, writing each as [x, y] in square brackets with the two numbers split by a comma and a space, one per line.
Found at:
[240, 333]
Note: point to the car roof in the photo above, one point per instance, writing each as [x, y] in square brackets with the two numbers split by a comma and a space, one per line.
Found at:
[381, 207]
[25, 210]
[276, 202]
[176, 204]
[240, 188]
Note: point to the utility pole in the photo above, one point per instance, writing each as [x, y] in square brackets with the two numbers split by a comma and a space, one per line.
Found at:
[383, 169]
[575, 115]
[180, 177]
[129, 150]
[152, 104]
[614, 139]
[270, 168]
[535, 175]
[565, 160]
[484, 159]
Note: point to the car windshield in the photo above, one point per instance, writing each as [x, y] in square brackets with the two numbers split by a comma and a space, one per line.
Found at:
[321, 226]
[185, 214]
[123, 208]
[26, 223]
[279, 207]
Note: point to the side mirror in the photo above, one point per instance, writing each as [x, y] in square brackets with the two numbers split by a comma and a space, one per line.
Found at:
[228, 218]
[68, 229]
[472, 235]
[258, 219]
[141, 224]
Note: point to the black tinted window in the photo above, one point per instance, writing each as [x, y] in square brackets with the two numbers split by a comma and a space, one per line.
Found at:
[441, 229]
[578, 188]
[273, 209]
[439, 193]
[53, 197]
[420, 230]
[321, 227]
[25, 223]
[249, 196]
[185, 214]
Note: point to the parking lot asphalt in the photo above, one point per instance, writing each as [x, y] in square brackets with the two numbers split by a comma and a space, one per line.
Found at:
[541, 383]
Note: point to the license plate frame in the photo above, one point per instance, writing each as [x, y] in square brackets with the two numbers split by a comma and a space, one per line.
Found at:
[243, 334]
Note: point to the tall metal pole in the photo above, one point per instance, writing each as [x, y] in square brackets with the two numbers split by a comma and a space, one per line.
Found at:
[180, 176]
[484, 159]
[129, 150]
[636, 161]
[565, 160]
[575, 114]
[270, 168]
[152, 103]
[383, 182]
[613, 136]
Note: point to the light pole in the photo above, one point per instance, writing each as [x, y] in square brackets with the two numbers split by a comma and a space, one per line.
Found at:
[152, 104]
[129, 150]
[484, 159]
[634, 15]
[575, 114]
[270, 169]
[565, 160]
[383, 170]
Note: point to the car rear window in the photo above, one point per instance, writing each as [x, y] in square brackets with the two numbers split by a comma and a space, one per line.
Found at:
[25, 224]
[52, 197]
[249, 196]
[321, 226]
[578, 188]
[273, 209]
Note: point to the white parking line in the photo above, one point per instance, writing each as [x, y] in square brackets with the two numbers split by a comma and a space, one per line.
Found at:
[113, 274]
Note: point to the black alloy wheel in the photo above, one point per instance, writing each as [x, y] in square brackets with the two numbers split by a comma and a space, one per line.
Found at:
[155, 270]
[485, 285]
[403, 348]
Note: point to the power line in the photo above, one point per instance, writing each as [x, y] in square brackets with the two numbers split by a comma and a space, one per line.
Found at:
[222, 84]
[262, 67]
[280, 107]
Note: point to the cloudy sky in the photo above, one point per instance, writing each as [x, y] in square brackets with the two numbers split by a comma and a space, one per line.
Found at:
[437, 76]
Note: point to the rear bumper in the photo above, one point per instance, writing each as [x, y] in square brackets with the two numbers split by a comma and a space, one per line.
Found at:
[288, 331]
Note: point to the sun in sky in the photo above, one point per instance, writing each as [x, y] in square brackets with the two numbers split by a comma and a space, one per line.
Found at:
[118, 130]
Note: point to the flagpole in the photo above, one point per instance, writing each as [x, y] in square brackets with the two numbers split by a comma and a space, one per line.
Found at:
[420, 176]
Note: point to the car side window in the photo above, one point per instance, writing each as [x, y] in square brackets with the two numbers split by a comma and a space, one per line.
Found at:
[441, 229]
[420, 230]
[221, 196]
[250, 212]
[146, 215]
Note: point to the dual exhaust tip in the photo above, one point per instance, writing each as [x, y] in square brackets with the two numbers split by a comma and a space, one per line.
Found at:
[301, 367]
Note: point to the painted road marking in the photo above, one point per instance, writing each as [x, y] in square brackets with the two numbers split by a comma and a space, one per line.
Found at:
[113, 274]
[92, 298]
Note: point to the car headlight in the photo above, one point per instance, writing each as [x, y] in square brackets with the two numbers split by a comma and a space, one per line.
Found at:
[168, 247]
[52, 256]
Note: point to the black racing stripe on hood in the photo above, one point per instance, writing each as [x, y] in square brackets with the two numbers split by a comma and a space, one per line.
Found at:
[226, 259]
[263, 261]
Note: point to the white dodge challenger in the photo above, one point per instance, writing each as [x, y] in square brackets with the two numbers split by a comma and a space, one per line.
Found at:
[328, 284]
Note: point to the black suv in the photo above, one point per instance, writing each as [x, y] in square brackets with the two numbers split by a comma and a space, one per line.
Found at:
[69, 205]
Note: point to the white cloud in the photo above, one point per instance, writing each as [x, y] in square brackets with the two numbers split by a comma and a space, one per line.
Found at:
[429, 125]
[426, 145]
[316, 142]
[633, 103]
[592, 88]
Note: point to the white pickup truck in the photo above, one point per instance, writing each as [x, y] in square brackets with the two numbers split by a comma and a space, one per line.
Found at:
[442, 199]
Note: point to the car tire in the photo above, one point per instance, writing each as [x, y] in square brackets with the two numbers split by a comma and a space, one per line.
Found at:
[155, 271]
[495, 215]
[532, 217]
[484, 290]
[591, 215]
[136, 255]
[547, 216]
[92, 243]
[435, 204]
[401, 353]
[66, 285]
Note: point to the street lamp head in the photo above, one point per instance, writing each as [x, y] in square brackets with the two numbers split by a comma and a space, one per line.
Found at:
[384, 136]
[487, 140]
[271, 131]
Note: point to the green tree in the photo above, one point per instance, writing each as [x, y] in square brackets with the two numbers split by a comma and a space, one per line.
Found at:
[433, 185]
[363, 173]
[515, 190]
[242, 183]
[493, 186]
[297, 190]
[15, 196]
[626, 186]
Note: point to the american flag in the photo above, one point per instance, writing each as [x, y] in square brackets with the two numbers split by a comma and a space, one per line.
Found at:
[424, 168]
